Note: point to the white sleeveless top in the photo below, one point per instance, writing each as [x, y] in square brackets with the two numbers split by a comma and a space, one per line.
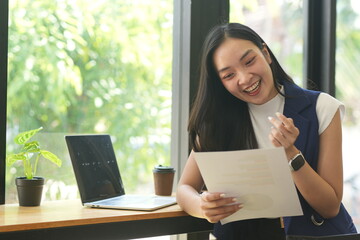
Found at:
[326, 107]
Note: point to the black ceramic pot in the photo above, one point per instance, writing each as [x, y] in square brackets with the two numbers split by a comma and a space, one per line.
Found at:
[29, 190]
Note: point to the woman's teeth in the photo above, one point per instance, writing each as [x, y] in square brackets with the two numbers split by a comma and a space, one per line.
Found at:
[253, 87]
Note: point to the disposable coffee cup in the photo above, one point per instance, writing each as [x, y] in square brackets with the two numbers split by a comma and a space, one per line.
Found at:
[163, 180]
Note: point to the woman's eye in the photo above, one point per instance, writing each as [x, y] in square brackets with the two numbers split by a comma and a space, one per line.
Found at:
[250, 61]
[227, 76]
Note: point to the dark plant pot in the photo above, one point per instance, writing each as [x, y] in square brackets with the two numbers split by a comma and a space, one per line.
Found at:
[29, 190]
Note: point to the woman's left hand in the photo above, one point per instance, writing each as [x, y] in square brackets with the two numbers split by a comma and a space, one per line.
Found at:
[284, 133]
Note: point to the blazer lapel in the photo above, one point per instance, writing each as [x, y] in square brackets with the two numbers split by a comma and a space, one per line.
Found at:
[296, 102]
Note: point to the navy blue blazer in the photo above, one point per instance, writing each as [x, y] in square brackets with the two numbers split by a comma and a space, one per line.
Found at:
[300, 105]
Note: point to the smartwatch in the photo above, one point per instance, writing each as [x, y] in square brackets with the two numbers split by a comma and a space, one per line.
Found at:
[297, 162]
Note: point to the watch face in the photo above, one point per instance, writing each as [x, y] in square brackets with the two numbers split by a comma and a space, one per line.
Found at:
[298, 162]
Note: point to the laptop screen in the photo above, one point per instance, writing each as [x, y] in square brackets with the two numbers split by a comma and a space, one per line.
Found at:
[95, 167]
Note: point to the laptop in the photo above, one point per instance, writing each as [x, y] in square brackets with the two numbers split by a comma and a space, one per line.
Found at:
[98, 176]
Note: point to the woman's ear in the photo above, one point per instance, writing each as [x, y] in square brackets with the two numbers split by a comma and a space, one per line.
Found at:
[266, 53]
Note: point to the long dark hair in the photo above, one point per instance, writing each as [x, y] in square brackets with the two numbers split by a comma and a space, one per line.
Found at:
[218, 120]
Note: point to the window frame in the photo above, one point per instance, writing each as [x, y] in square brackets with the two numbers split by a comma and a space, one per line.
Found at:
[4, 16]
[320, 44]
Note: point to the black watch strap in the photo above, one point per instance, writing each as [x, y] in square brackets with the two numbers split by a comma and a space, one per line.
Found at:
[297, 162]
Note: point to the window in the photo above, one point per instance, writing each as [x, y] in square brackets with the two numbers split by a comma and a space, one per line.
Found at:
[91, 67]
[281, 27]
[348, 91]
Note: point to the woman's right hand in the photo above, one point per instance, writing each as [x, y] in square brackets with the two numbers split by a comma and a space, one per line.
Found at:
[216, 206]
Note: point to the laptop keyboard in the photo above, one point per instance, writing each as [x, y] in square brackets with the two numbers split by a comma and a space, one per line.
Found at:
[132, 200]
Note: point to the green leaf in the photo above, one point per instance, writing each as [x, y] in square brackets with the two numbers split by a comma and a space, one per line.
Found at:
[32, 147]
[52, 157]
[23, 137]
[12, 158]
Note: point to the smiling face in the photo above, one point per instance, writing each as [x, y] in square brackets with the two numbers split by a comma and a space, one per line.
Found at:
[244, 70]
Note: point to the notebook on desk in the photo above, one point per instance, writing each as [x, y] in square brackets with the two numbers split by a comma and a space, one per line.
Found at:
[98, 176]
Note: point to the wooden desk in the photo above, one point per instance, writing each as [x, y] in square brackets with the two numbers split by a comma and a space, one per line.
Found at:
[70, 220]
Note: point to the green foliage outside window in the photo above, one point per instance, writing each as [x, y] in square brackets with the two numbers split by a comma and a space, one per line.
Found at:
[347, 59]
[93, 67]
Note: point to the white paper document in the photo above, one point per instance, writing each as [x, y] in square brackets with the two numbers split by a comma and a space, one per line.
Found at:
[259, 178]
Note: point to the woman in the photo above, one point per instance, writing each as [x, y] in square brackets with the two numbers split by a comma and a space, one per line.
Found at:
[246, 100]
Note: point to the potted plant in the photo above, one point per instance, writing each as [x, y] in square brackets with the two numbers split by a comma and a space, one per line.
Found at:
[30, 186]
